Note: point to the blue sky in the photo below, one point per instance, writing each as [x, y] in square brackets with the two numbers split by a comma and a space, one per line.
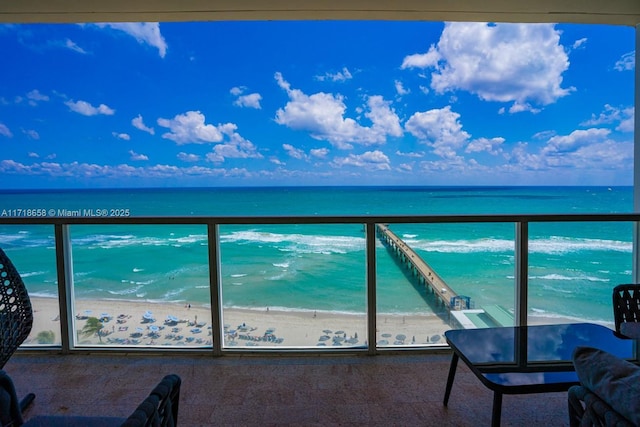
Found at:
[315, 103]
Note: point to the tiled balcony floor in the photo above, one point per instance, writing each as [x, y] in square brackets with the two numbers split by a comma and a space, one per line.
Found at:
[385, 390]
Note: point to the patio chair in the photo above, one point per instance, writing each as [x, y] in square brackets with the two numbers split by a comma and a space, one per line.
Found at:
[609, 390]
[16, 315]
[626, 309]
[158, 409]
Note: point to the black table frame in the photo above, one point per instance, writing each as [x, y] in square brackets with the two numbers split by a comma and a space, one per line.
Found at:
[562, 374]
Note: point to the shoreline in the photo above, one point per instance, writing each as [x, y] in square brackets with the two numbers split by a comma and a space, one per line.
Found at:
[125, 324]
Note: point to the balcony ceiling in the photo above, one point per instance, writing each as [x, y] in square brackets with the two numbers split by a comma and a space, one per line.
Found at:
[615, 12]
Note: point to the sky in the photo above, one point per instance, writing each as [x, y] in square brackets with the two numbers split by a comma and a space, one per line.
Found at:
[219, 104]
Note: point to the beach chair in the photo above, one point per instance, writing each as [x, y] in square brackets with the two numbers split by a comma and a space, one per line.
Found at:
[16, 315]
[626, 309]
[158, 409]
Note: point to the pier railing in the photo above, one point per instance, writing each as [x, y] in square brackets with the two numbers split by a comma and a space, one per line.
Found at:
[372, 323]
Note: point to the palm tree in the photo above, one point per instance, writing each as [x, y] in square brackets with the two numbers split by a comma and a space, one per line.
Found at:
[45, 337]
[93, 326]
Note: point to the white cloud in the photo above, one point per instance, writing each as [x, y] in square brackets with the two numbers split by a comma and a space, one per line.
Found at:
[320, 153]
[575, 140]
[4, 131]
[86, 109]
[624, 117]
[422, 60]
[294, 152]
[627, 62]
[405, 167]
[251, 101]
[580, 43]
[322, 115]
[185, 157]
[400, 90]
[110, 172]
[340, 76]
[439, 128]
[69, 44]
[32, 134]
[138, 123]
[144, 32]
[35, 96]
[489, 145]
[136, 156]
[520, 63]
[123, 136]
[236, 148]
[190, 128]
[412, 154]
[371, 160]
[33, 155]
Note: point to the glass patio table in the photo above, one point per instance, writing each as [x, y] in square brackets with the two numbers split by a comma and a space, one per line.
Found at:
[528, 359]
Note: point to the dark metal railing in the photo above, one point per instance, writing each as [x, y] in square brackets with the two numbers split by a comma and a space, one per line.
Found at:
[521, 222]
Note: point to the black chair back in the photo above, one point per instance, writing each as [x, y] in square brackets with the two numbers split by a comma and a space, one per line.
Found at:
[160, 408]
[626, 304]
[16, 314]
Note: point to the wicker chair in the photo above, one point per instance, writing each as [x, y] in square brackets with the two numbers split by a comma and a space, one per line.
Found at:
[16, 315]
[626, 306]
[158, 409]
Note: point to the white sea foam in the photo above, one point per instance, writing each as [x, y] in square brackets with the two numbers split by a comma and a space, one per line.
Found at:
[299, 243]
[172, 293]
[138, 270]
[11, 238]
[109, 241]
[127, 291]
[555, 276]
[552, 245]
[32, 273]
[281, 264]
[238, 275]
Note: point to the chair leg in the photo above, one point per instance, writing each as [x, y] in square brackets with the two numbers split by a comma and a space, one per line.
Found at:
[26, 401]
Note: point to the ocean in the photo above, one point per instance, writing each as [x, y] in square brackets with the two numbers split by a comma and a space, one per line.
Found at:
[573, 267]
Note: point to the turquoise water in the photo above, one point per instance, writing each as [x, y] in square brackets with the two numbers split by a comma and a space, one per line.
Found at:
[322, 267]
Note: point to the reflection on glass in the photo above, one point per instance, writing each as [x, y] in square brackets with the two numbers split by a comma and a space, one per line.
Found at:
[31, 249]
[293, 285]
[141, 285]
[435, 277]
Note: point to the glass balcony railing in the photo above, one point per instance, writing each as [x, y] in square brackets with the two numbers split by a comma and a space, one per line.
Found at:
[230, 284]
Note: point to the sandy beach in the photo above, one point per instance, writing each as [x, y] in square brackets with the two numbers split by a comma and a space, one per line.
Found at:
[164, 324]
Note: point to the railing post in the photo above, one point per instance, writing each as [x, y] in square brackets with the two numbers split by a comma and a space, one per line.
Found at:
[370, 228]
[64, 264]
[215, 287]
[521, 273]
[636, 165]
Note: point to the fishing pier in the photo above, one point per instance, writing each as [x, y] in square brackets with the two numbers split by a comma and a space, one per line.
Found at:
[459, 306]
[425, 273]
